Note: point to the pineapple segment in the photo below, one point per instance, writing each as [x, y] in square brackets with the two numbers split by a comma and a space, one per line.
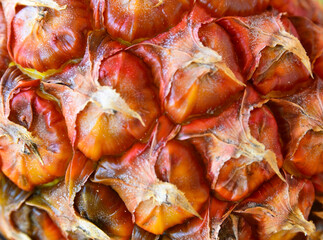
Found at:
[240, 146]
[214, 213]
[301, 121]
[270, 52]
[114, 103]
[236, 227]
[35, 148]
[317, 181]
[161, 183]
[140, 234]
[36, 223]
[11, 199]
[4, 57]
[41, 35]
[311, 37]
[102, 206]
[54, 200]
[138, 19]
[279, 209]
[195, 67]
[78, 172]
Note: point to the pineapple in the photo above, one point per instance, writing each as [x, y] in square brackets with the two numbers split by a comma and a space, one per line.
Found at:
[161, 119]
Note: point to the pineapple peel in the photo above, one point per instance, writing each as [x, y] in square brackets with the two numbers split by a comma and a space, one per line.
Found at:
[36, 3]
[210, 59]
[291, 44]
[181, 123]
[26, 114]
[192, 56]
[268, 30]
[184, 51]
[277, 207]
[228, 136]
[307, 105]
[250, 148]
[296, 222]
[21, 136]
[320, 200]
[160, 2]
[304, 114]
[11, 199]
[109, 100]
[168, 194]
[93, 94]
[54, 200]
[105, 97]
[270, 158]
[138, 186]
[79, 170]
[146, 189]
[255, 151]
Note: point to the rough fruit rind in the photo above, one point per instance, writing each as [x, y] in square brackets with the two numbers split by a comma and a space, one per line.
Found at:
[161, 120]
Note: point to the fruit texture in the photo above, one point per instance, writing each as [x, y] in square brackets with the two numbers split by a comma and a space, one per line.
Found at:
[161, 120]
[34, 145]
[134, 20]
[240, 146]
[31, 27]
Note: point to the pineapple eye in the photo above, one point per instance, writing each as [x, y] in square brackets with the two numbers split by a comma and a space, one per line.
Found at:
[140, 19]
[33, 25]
[25, 153]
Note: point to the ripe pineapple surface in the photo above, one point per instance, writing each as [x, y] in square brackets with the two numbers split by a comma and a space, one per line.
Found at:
[161, 119]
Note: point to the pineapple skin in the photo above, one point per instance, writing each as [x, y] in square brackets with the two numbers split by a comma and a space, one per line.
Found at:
[161, 120]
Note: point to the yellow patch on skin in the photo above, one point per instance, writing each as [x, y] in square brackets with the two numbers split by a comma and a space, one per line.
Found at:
[34, 74]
